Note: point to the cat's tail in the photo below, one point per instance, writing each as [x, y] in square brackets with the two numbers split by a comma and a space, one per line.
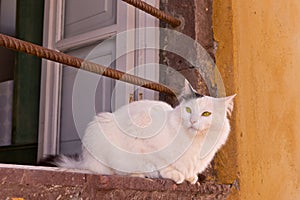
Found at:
[65, 161]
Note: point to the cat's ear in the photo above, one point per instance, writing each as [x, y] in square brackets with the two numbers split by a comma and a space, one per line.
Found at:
[229, 103]
[188, 92]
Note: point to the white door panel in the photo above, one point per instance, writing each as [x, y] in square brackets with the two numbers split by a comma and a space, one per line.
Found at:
[84, 16]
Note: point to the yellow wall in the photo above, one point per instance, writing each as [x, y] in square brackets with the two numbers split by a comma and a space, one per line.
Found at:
[259, 58]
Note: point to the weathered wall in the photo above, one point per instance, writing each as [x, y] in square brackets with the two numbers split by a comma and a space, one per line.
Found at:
[259, 57]
[196, 23]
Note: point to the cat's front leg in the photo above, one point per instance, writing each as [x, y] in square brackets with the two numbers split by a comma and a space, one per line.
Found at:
[171, 173]
[193, 179]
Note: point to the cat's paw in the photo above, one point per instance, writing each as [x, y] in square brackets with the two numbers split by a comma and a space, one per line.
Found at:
[179, 179]
[193, 179]
[175, 175]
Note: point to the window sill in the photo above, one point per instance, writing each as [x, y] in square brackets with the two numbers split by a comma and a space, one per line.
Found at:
[31, 182]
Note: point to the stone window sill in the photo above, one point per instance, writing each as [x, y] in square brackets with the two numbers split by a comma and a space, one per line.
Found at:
[31, 182]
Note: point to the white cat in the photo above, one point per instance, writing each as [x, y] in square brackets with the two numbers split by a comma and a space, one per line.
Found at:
[152, 139]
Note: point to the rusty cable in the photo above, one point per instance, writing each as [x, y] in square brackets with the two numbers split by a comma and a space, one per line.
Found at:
[42, 52]
[154, 12]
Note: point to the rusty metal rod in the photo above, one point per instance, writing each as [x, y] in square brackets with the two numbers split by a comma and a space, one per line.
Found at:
[154, 12]
[42, 52]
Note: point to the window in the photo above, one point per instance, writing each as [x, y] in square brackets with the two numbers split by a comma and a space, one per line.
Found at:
[7, 26]
[20, 144]
[89, 30]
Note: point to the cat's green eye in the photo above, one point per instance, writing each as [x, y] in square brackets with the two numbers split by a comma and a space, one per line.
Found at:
[206, 114]
[188, 109]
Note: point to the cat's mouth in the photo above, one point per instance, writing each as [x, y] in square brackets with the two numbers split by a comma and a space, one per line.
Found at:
[192, 128]
[198, 130]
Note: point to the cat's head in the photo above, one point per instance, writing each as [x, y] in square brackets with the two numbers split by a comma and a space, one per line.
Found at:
[199, 114]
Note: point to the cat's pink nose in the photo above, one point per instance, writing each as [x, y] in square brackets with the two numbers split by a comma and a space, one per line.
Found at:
[193, 121]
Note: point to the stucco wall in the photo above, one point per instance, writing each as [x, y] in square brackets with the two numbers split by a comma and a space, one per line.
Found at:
[259, 57]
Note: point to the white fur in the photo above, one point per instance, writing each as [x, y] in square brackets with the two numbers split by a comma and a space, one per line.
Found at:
[132, 140]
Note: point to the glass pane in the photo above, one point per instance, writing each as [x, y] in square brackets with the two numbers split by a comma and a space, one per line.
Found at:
[100, 86]
[7, 61]
[84, 16]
